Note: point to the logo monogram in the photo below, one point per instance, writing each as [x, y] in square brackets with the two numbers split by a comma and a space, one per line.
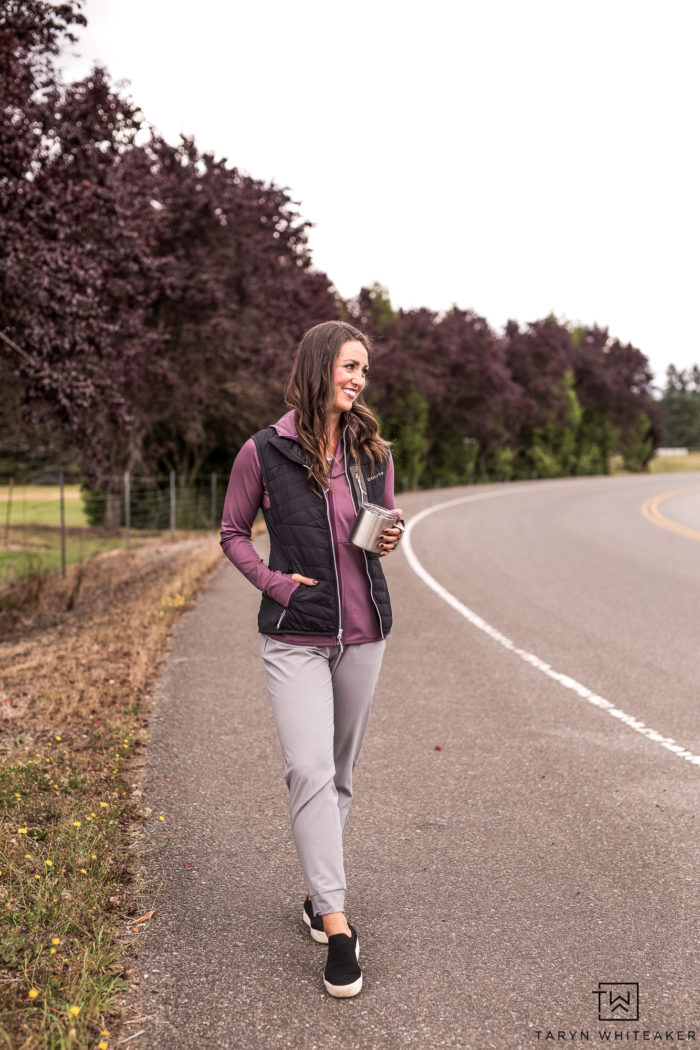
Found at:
[617, 1000]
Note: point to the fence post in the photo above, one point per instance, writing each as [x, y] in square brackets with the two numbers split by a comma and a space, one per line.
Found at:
[127, 505]
[8, 510]
[25, 548]
[213, 503]
[172, 504]
[63, 525]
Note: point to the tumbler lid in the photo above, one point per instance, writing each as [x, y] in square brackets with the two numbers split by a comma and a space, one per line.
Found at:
[381, 512]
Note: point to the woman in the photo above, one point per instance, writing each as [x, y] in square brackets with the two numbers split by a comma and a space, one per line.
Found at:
[325, 611]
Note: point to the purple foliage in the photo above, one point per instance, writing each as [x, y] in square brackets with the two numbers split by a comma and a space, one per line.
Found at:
[155, 295]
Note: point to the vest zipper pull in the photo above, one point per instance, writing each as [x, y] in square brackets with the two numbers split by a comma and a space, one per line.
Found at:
[360, 485]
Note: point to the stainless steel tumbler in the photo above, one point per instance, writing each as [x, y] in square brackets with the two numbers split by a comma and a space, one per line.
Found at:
[369, 524]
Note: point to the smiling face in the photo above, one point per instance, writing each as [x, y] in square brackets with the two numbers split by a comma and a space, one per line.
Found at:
[349, 375]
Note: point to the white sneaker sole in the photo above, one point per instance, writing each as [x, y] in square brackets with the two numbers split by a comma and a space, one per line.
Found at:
[318, 935]
[345, 991]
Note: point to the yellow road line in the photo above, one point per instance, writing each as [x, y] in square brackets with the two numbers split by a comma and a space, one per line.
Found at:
[650, 510]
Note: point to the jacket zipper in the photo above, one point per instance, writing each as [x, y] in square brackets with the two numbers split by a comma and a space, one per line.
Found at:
[335, 569]
[352, 496]
[282, 616]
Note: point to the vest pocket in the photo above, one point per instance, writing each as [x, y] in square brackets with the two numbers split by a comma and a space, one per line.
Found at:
[311, 610]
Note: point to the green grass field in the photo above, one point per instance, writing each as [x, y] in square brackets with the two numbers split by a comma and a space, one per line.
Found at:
[39, 550]
[30, 530]
[40, 505]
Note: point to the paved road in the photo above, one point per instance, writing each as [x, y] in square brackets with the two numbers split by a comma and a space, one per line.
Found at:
[546, 848]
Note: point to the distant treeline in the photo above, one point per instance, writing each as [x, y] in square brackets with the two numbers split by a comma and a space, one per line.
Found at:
[153, 296]
[463, 403]
[681, 407]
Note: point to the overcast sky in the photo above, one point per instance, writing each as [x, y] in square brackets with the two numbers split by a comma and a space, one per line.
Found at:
[515, 157]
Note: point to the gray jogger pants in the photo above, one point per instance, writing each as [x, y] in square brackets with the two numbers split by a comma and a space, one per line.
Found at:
[321, 700]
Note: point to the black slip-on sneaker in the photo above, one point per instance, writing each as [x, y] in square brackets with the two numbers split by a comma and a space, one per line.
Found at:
[315, 923]
[342, 975]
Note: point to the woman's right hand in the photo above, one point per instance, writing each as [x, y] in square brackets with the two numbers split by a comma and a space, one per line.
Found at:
[304, 579]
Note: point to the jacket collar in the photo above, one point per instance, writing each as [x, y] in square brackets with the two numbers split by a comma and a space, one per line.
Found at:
[285, 427]
[287, 438]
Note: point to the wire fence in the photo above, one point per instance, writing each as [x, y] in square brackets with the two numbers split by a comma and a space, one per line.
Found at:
[48, 525]
[50, 522]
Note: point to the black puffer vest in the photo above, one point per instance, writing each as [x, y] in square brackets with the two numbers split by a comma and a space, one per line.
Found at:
[301, 541]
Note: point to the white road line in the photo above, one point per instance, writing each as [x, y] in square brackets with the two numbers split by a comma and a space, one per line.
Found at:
[530, 658]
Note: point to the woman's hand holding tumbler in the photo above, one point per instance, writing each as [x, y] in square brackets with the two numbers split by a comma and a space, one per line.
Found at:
[390, 537]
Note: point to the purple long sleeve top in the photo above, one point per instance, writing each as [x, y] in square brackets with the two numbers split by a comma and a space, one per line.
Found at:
[247, 493]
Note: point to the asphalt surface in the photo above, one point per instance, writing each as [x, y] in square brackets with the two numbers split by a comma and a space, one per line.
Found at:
[547, 847]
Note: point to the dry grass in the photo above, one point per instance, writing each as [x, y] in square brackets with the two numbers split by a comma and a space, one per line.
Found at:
[671, 464]
[75, 647]
[78, 657]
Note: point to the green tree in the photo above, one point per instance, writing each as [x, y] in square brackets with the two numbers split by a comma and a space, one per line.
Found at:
[681, 407]
[553, 451]
[636, 444]
[405, 424]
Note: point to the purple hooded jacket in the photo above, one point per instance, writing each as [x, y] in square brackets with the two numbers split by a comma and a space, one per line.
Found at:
[245, 495]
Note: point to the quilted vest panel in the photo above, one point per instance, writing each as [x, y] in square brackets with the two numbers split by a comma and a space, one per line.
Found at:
[301, 541]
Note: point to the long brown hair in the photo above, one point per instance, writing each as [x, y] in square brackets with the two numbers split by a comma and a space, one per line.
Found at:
[310, 393]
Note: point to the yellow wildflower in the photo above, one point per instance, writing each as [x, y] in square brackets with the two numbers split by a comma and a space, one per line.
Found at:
[59, 739]
[55, 940]
[17, 794]
[48, 863]
[102, 1045]
[22, 831]
[103, 805]
[161, 818]
[53, 951]
[37, 876]
[74, 1011]
[94, 856]
[76, 824]
[83, 871]
[32, 993]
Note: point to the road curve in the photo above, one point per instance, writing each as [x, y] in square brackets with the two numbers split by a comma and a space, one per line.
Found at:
[511, 845]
